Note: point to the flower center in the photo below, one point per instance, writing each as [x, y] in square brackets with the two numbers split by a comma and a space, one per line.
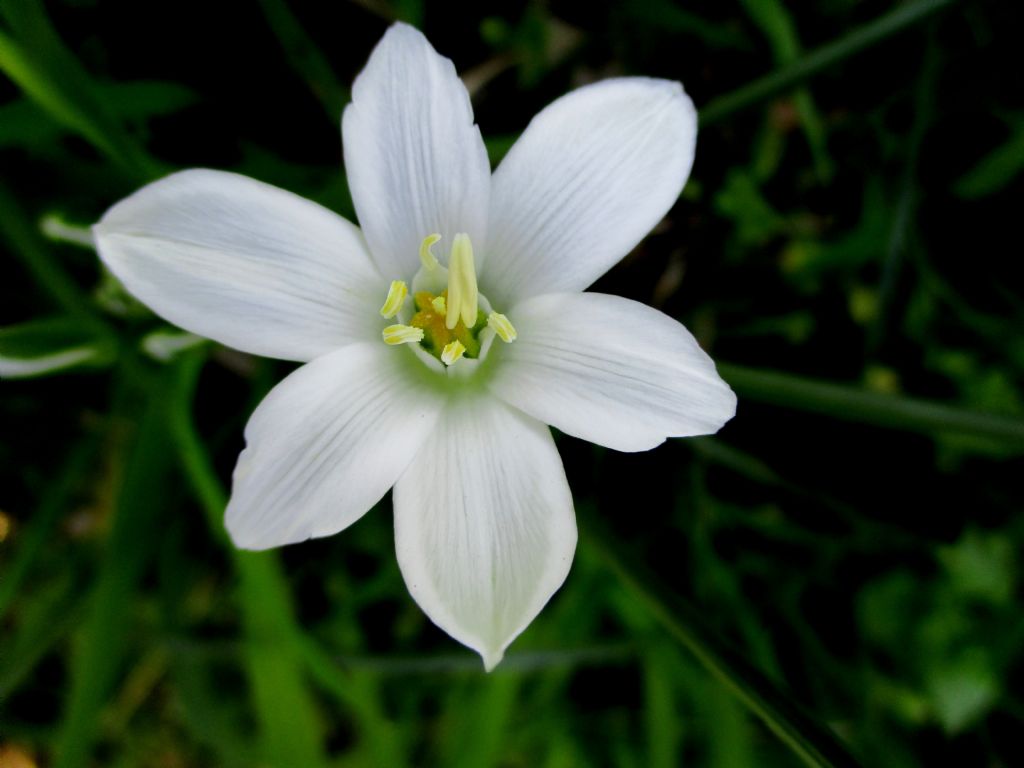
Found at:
[447, 321]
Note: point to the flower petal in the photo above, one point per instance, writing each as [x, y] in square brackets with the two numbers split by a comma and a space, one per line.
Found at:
[611, 371]
[326, 444]
[244, 263]
[415, 160]
[591, 175]
[484, 524]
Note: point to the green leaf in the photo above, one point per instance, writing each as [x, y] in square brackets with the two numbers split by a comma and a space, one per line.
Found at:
[981, 566]
[663, 729]
[140, 100]
[45, 347]
[24, 123]
[55, 501]
[888, 607]
[732, 734]
[811, 742]
[35, 58]
[286, 713]
[49, 612]
[480, 728]
[963, 691]
[289, 724]
[995, 170]
[99, 655]
[20, 66]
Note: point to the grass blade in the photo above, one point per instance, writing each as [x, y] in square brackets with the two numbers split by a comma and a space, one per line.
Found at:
[36, 59]
[51, 612]
[779, 27]
[305, 58]
[54, 502]
[287, 715]
[813, 743]
[98, 657]
[855, 404]
[860, 39]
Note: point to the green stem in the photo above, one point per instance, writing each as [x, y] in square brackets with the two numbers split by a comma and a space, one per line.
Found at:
[196, 464]
[55, 501]
[99, 654]
[855, 404]
[811, 64]
[287, 715]
[900, 233]
[813, 743]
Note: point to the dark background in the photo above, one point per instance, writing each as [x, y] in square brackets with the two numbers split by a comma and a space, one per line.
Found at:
[861, 229]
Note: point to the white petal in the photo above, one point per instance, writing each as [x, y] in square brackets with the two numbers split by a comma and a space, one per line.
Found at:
[484, 524]
[611, 371]
[244, 263]
[326, 444]
[590, 176]
[416, 163]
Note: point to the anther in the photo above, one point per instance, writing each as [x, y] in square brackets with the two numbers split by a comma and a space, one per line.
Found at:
[452, 352]
[426, 257]
[438, 303]
[462, 290]
[402, 334]
[501, 326]
[396, 297]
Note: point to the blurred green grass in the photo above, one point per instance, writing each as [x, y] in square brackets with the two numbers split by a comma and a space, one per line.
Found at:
[845, 548]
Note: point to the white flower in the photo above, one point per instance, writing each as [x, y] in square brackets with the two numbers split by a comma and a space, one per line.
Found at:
[452, 409]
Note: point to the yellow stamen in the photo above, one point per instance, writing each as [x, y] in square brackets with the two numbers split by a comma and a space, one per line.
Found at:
[462, 292]
[452, 352]
[426, 257]
[396, 297]
[402, 334]
[501, 326]
[439, 305]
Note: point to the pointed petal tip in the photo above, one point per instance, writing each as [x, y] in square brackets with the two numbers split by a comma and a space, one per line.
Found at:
[408, 102]
[727, 405]
[243, 263]
[518, 523]
[491, 659]
[733, 404]
[401, 32]
[646, 377]
[242, 535]
[243, 540]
